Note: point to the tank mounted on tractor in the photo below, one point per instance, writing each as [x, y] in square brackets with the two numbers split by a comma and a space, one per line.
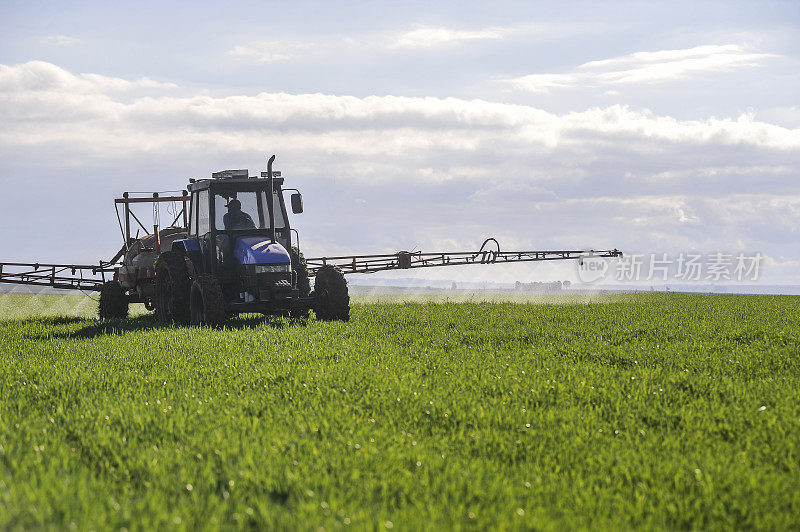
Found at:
[234, 253]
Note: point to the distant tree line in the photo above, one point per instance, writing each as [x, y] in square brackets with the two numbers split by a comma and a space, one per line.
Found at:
[537, 286]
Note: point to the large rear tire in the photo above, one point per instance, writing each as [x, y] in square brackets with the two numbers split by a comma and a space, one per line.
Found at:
[113, 302]
[207, 302]
[332, 298]
[172, 289]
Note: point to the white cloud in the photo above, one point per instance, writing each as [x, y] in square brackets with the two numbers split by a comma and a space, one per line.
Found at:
[39, 77]
[647, 67]
[59, 40]
[419, 38]
[702, 172]
[430, 36]
[396, 123]
[271, 51]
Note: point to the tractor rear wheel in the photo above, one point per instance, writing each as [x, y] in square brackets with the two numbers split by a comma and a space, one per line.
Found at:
[332, 298]
[207, 302]
[172, 288]
[113, 302]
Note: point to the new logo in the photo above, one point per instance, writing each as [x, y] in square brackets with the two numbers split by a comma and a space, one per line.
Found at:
[591, 269]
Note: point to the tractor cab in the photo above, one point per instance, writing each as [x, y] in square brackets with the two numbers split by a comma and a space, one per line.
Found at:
[238, 221]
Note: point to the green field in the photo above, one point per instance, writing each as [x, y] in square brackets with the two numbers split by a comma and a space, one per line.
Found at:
[645, 411]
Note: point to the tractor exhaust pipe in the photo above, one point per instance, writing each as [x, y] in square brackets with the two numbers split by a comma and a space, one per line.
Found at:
[270, 200]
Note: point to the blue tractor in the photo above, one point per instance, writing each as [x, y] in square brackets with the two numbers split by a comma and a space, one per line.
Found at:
[239, 257]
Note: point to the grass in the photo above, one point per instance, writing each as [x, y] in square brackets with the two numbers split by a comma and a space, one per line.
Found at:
[645, 411]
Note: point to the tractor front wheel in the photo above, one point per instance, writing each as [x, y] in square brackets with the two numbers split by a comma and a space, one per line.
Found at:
[113, 302]
[207, 302]
[300, 268]
[332, 298]
[172, 288]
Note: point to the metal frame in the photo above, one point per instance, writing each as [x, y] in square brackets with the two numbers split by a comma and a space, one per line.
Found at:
[404, 260]
[53, 275]
[83, 276]
[127, 201]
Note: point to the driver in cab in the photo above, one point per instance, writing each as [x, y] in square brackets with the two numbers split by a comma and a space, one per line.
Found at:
[235, 218]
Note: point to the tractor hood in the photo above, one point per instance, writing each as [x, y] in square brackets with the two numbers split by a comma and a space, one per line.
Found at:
[258, 250]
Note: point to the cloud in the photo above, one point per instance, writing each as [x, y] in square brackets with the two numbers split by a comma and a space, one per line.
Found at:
[646, 67]
[426, 171]
[419, 38]
[271, 51]
[431, 36]
[398, 123]
[59, 40]
[39, 77]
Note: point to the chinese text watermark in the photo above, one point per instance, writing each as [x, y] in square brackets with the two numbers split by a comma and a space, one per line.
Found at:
[682, 267]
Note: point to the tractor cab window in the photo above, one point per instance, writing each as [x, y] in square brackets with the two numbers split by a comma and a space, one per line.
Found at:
[203, 225]
[280, 221]
[244, 210]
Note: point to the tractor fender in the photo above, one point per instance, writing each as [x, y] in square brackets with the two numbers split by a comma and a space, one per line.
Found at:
[190, 248]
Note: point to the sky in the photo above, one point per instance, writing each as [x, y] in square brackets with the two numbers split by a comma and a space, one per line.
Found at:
[665, 127]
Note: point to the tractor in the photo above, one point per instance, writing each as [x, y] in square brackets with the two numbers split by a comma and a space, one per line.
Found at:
[235, 256]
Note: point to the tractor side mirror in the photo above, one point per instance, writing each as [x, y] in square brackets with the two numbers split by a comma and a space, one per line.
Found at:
[297, 203]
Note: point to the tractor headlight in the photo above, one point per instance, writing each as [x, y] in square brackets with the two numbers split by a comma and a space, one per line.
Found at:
[273, 268]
